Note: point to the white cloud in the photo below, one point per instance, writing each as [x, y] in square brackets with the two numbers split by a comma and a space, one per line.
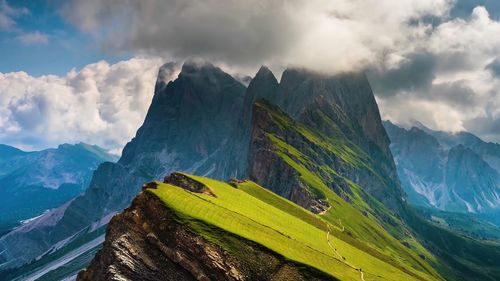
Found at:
[101, 104]
[33, 38]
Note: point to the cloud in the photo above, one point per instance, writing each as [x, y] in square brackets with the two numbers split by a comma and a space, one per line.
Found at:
[488, 127]
[326, 35]
[100, 104]
[8, 15]
[33, 38]
[463, 89]
[416, 72]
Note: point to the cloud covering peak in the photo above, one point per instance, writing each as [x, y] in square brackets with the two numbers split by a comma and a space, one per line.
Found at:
[326, 35]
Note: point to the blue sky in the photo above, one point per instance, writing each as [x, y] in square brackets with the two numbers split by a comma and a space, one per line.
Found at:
[42, 42]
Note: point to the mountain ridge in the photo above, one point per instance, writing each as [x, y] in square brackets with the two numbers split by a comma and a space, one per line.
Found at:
[33, 182]
[452, 172]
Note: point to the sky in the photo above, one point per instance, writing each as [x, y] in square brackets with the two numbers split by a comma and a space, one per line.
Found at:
[84, 70]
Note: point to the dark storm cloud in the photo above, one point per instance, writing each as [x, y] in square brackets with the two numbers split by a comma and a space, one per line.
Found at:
[216, 30]
[417, 73]
[329, 36]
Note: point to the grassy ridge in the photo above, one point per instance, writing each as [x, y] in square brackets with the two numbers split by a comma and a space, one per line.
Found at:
[256, 214]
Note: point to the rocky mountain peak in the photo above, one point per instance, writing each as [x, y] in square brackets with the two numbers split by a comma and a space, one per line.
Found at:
[192, 116]
[263, 86]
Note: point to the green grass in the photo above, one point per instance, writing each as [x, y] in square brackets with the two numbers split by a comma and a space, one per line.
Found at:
[258, 215]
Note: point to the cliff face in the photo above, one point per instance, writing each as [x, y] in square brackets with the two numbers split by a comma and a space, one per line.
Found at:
[147, 241]
[189, 125]
[137, 247]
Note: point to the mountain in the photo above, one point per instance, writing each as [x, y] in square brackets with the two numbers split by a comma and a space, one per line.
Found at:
[188, 125]
[329, 169]
[33, 182]
[450, 172]
[345, 130]
[315, 139]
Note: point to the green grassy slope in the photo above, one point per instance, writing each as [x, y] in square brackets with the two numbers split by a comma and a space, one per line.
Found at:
[369, 224]
[259, 215]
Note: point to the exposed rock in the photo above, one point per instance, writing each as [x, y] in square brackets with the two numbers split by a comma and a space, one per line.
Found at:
[270, 170]
[180, 180]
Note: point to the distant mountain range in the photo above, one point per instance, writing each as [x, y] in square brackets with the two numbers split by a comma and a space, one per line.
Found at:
[33, 182]
[455, 172]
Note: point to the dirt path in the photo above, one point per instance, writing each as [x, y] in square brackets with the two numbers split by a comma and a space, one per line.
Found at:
[362, 275]
[330, 244]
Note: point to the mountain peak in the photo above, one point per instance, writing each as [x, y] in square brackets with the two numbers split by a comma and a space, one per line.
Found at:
[264, 71]
[193, 67]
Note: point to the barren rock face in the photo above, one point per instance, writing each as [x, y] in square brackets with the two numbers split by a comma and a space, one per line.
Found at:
[149, 242]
